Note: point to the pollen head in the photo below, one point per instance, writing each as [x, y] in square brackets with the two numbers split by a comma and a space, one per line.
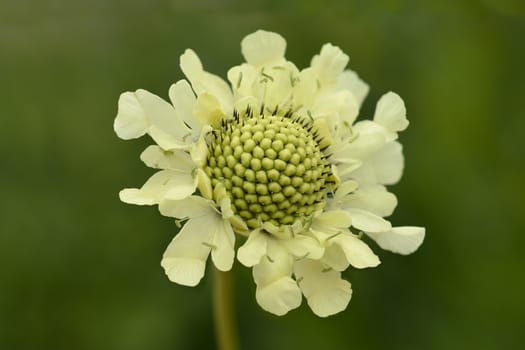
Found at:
[272, 166]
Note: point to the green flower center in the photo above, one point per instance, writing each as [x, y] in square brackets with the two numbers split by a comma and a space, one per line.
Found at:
[271, 166]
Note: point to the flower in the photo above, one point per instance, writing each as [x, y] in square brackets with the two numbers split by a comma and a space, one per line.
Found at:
[277, 159]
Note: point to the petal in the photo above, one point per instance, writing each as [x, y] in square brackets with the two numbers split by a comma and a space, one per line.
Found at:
[369, 139]
[367, 221]
[276, 291]
[155, 157]
[345, 188]
[263, 47]
[223, 251]
[391, 112]
[208, 110]
[373, 198]
[151, 110]
[184, 186]
[167, 141]
[325, 291]
[280, 296]
[153, 190]
[183, 100]
[402, 240]
[202, 81]
[332, 221]
[336, 106]
[384, 167]
[251, 252]
[184, 260]
[349, 80]
[330, 63]
[358, 254]
[335, 258]
[130, 122]
[302, 246]
[191, 207]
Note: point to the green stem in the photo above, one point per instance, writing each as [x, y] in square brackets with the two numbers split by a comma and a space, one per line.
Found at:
[223, 307]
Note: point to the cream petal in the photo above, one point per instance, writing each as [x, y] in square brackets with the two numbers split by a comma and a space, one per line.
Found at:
[345, 189]
[153, 190]
[367, 143]
[367, 221]
[185, 186]
[251, 252]
[373, 198]
[155, 157]
[167, 141]
[384, 167]
[242, 78]
[402, 240]
[183, 100]
[191, 207]
[302, 246]
[208, 110]
[306, 88]
[160, 114]
[130, 121]
[276, 291]
[391, 112]
[184, 260]
[223, 251]
[349, 80]
[335, 258]
[331, 222]
[357, 252]
[280, 296]
[262, 47]
[336, 107]
[330, 63]
[325, 291]
[202, 81]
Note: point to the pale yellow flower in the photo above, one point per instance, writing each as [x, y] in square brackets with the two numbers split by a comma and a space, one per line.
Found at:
[275, 157]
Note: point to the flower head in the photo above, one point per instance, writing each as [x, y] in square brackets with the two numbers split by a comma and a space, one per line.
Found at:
[276, 158]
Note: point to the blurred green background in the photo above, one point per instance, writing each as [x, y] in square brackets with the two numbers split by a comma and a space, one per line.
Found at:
[80, 270]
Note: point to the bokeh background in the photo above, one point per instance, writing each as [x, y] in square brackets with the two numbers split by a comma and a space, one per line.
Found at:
[80, 270]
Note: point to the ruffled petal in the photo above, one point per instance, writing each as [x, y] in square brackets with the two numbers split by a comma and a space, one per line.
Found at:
[253, 250]
[185, 186]
[325, 291]
[358, 254]
[183, 100]
[184, 260]
[332, 221]
[140, 110]
[208, 110]
[276, 291]
[263, 47]
[335, 258]
[202, 81]
[191, 207]
[384, 167]
[131, 121]
[402, 240]
[372, 198]
[367, 221]
[167, 141]
[154, 190]
[155, 157]
[302, 246]
[349, 80]
[223, 251]
[329, 64]
[391, 112]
